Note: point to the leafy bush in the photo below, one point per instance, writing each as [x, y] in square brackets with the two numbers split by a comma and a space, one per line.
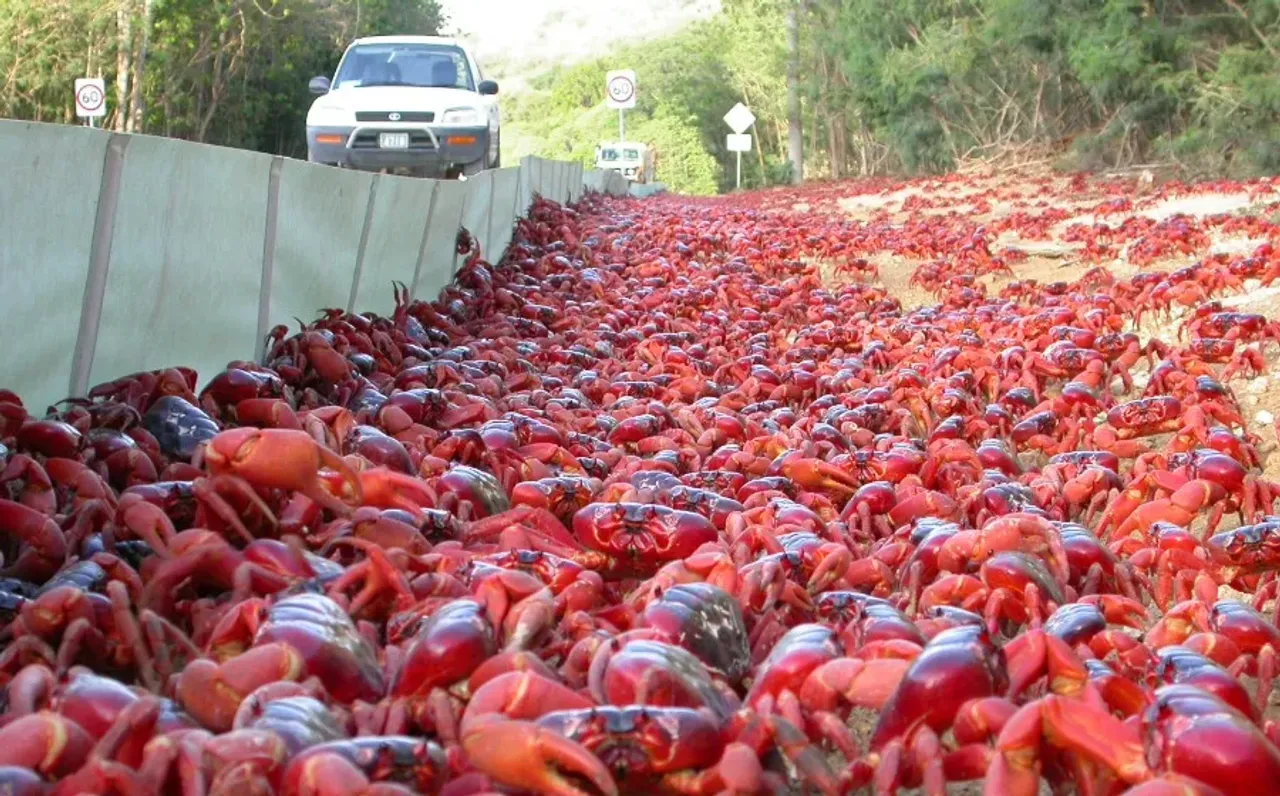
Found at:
[231, 72]
[914, 86]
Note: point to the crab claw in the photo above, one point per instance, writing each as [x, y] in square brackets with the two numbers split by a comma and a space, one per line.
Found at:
[1037, 654]
[1173, 785]
[1179, 622]
[836, 560]
[46, 743]
[388, 489]
[524, 755]
[281, 458]
[815, 474]
[1119, 610]
[1068, 724]
[520, 695]
[46, 545]
[212, 693]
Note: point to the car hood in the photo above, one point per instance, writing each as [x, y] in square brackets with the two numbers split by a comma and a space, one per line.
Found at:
[401, 98]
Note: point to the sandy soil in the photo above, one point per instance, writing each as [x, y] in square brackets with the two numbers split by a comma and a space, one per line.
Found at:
[989, 199]
[1050, 258]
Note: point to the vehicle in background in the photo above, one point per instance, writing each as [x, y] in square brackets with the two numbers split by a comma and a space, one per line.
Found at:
[406, 104]
[636, 161]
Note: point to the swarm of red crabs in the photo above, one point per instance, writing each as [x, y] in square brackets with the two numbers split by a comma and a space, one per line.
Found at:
[648, 508]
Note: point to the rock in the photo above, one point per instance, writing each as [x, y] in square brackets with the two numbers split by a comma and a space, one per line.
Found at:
[1257, 385]
[1264, 418]
[1251, 400]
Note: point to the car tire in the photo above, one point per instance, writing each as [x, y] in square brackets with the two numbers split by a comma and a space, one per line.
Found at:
[473, 168]
[497, 159]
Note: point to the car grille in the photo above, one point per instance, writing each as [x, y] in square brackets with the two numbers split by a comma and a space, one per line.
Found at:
[405, 116]
[419, 141]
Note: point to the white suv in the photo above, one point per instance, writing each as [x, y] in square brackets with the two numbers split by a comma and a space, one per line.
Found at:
[416, 104]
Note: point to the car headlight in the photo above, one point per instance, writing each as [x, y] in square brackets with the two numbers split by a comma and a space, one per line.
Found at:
[328, 115]
[463, 116]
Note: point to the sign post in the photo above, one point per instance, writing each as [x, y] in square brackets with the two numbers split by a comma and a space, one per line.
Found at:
[91, 98]
[739, 118]
[738, 144]
[620, 92]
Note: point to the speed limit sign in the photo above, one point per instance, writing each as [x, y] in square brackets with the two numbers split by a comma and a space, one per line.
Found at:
[620, 88]
[91, 97]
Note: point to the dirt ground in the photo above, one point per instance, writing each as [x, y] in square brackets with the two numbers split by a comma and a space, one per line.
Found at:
[989, 199]
[1051, 257]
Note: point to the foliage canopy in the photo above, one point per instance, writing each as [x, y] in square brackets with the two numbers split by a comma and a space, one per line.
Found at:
[912, 86]
[231, 72]
[916, 86]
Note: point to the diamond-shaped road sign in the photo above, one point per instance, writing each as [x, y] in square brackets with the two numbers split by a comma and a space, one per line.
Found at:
[739, 118]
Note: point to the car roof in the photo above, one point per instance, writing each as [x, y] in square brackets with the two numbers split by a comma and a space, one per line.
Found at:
[442, 40]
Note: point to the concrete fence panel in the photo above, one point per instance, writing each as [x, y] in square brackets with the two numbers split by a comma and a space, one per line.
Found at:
[319, 228]
[575, 182]
[122, 253]
[50, 211]
[475, 213]
[394, 241]
[503, 211]
[439, 254]
[528, 182]
[185, 273]
[560, 192]
[541, 178]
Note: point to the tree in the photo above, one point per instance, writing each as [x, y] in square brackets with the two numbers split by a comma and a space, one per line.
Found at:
[230, 72]
[795, 124]
[838, 87]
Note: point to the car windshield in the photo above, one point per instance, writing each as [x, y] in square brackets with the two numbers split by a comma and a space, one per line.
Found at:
[423, 65]
[609, 155]
[631, 154]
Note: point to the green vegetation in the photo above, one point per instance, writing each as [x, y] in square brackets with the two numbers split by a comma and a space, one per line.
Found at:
[687, 82]
[912, 86]
[231, 72]
[916, 86]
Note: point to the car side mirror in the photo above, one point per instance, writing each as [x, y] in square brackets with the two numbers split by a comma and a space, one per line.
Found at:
[487, 87]
[319, 85]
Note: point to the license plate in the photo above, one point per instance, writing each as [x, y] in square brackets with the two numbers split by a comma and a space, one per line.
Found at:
[393, 140]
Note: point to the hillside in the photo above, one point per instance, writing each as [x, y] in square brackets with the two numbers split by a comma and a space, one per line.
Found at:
[517, 40]
[920, 88]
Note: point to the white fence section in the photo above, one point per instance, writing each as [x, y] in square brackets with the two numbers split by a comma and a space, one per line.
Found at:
[121, 253]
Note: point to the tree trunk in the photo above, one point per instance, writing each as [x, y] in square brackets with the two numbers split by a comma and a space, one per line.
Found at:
[764, 174]
[833, 146]
[124, 51]
[795, 128]
[222, 74]
[139, 69]
[215, 92]
[826, 110]
[1253, 26]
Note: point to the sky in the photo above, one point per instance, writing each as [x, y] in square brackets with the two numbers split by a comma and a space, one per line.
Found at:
[563, 30]
[496, 22]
